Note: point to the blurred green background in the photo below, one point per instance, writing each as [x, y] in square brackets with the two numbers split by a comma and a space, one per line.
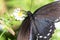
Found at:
[7, 8]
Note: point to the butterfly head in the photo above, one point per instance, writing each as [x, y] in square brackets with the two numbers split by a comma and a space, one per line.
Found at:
[29, 13]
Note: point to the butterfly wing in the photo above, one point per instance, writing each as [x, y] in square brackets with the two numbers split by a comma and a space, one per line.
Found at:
[44, 19]
[24, 30]
[51, 11]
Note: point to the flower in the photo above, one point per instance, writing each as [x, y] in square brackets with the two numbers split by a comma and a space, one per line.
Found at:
[18, 14]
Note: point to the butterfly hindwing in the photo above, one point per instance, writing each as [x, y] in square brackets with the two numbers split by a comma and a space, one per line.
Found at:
[43, 27]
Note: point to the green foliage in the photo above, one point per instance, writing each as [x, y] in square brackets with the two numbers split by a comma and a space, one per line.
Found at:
[30, 5]
[2, 38]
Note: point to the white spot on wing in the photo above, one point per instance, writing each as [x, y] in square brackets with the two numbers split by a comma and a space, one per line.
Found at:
[40, 36]
[50, 26]
[50, 30]
[45, 37]
[48, 34]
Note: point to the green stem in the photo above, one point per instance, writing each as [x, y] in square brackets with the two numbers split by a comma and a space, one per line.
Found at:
[2, 33]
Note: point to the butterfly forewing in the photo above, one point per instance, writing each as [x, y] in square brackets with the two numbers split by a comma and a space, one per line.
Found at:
[50, 11]
[24, 30]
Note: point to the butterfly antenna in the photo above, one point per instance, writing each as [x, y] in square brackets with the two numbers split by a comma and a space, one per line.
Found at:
[31, 5]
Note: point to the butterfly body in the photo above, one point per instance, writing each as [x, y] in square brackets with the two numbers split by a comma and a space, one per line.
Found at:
[40, 25]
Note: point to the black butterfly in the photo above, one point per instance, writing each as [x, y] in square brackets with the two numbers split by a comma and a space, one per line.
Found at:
[40, 24]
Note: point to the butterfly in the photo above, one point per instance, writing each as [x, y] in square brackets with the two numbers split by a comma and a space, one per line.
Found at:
[40, 24]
